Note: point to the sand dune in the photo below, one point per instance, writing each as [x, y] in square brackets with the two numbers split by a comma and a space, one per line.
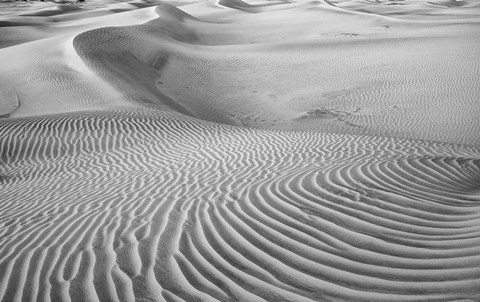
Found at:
[240, 151]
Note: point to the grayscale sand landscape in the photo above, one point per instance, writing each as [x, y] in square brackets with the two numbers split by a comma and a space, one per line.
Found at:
[230, 150]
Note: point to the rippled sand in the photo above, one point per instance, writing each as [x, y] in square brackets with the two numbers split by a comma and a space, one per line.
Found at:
[240, 151]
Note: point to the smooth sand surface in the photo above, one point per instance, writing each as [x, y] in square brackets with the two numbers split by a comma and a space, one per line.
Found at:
[240, 151]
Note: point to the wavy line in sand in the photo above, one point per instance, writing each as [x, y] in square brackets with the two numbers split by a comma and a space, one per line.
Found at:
[144, 206]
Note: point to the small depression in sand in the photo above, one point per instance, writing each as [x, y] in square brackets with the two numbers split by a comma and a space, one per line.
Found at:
[321, 114]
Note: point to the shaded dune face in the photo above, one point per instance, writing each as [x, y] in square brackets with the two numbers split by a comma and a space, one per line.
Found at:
[173, 192]
[132, 60]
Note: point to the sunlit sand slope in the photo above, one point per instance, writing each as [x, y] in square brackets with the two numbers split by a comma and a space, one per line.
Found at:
[234, 151]
[113, 206]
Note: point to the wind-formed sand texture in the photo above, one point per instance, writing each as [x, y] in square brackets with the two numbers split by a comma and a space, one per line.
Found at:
[240, 151]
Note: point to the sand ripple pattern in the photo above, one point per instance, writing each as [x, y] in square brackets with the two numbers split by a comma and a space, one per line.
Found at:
[149, 192]
[125, 206]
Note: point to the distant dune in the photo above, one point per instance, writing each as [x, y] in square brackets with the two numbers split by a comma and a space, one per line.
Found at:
[240, 151]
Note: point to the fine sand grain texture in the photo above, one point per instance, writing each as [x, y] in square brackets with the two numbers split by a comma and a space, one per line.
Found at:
[240, 151]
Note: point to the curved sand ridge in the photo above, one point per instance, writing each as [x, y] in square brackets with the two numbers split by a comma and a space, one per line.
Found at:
[156, 196]
[47, 74]
[131, 59]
